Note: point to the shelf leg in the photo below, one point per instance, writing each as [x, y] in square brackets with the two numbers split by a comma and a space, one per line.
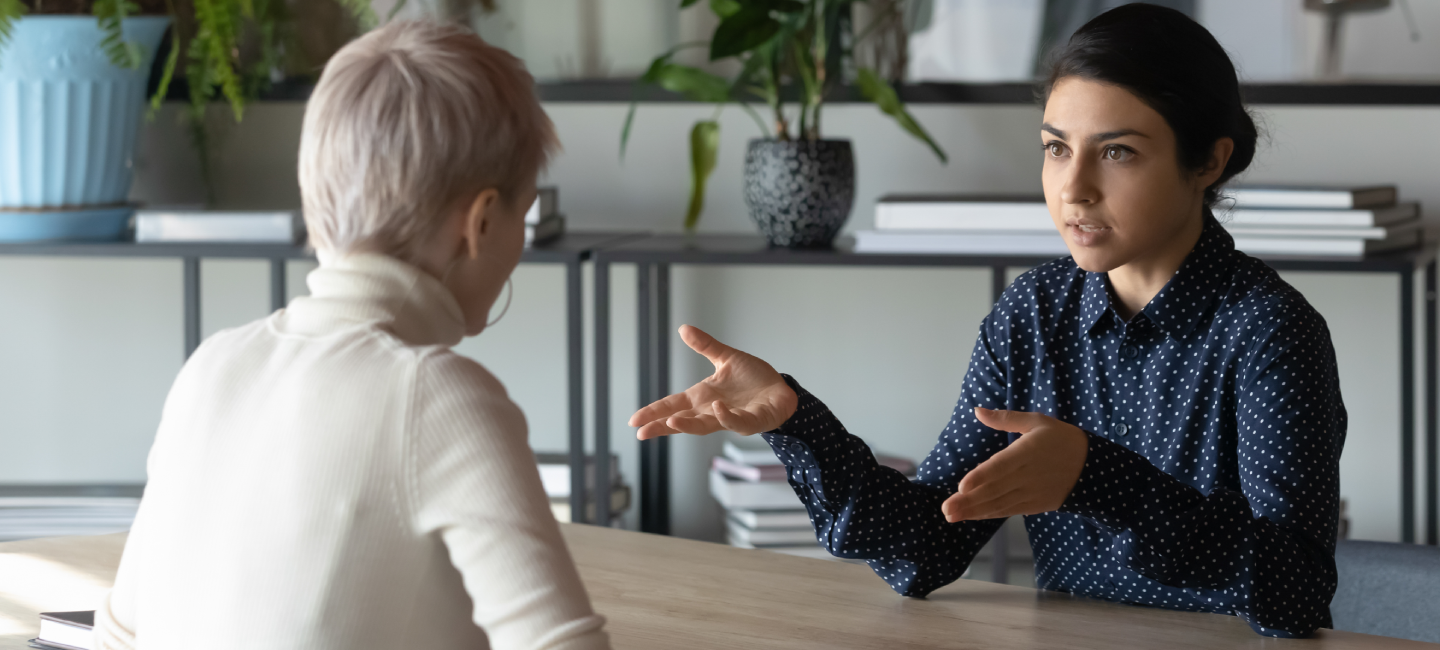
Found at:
[192, 304]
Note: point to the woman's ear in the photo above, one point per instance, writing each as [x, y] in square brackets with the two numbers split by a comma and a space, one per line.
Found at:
[477, 220]
[1219, 157]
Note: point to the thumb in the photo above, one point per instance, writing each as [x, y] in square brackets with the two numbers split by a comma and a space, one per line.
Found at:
[705, 344]
[1002, 420]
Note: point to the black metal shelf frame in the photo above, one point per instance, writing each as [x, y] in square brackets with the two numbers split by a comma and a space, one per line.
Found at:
[1352, 93]
[654, 256]
[571, 250]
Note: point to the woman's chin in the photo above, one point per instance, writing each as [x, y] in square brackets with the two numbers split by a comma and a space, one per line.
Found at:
[1093, 260]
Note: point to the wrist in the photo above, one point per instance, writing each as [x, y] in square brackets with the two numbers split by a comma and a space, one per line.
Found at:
[799, 397]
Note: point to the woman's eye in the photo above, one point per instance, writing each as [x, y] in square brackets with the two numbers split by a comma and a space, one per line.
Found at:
[1055, 149]
[1117, 154]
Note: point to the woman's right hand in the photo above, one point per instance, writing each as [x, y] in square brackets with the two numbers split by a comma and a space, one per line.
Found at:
[745, 395]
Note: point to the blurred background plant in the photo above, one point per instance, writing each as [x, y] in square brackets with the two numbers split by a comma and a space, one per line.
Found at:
[789, 52]
[230, 50]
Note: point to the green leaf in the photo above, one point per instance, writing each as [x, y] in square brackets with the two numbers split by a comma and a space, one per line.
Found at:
[110, 15]
[693, 86]
[10, 11]
[746, 30]
[694, 83]
[704, 148]
[876, 90]
[724, 8]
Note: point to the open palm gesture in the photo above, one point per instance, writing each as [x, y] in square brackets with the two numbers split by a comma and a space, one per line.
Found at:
[744, 395]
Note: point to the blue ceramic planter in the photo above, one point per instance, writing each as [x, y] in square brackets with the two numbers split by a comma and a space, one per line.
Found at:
[68, 121]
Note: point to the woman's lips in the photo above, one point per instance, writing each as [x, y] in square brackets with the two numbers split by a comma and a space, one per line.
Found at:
[1088, 235]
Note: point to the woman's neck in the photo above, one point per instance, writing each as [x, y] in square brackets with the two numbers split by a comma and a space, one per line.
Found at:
[1136, 283]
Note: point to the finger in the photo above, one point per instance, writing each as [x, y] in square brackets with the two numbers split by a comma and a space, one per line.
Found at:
[654, 429]
[660, 409]
[697, 424]
[949, 505]
[705, 344]
[1011, 421]
[739, 420]
[973, 506]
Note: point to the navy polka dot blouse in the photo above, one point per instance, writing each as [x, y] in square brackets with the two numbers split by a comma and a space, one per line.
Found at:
[1215, 426]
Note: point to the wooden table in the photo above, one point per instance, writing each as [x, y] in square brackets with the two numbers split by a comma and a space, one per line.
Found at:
[665, 593]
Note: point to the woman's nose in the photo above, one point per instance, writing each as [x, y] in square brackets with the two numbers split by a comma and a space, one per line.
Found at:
[1078, 183]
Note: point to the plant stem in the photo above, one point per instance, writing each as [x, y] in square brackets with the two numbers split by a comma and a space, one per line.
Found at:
[756, 116]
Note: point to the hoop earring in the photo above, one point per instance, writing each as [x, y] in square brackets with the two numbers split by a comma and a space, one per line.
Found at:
[509, 295]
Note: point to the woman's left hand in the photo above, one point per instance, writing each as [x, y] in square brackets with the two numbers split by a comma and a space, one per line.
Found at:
[1032, 475]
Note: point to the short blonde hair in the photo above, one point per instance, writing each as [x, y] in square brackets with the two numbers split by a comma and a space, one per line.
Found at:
[409, 123]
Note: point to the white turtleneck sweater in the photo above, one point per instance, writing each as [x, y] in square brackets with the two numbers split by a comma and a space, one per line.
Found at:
[334, 476]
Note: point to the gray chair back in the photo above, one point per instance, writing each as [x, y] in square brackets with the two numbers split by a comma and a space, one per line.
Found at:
[1388, 589]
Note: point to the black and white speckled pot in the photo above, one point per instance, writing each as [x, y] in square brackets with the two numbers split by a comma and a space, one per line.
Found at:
[799, 192]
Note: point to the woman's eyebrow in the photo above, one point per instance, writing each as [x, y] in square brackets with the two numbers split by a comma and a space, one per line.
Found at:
[1098, 137]
[1111, 135]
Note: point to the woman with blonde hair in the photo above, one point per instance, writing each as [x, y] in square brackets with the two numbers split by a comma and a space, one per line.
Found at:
[333, 475]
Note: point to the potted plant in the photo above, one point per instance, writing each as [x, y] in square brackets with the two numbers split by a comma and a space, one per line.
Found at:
[75, 73]
[799, 187]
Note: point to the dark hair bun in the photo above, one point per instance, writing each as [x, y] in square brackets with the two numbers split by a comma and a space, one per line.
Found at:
[1176, 67]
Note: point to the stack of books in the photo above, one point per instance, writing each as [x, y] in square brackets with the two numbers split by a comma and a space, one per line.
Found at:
[1264, 220]
[761, 508]
[543, 221]
[29, 517]
[1320, 221]
[961, 224]
[555, 475]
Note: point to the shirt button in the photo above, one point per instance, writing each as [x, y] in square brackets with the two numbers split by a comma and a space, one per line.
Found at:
[1130, 352]
[1120, 429]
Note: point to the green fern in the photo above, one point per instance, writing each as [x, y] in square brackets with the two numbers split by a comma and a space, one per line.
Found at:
[217, 29]
[110, 14]
[10, 11]
[167, 74]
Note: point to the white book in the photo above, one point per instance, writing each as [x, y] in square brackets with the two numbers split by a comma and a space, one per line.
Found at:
[549, 228]
[164, 226]
[1290, 196]
[740, 533]
[555, 472]
[1321, 247]
[750, 450]
[68, 502]
[979, 213]
[1017, 216]
[547, 204]
[772, 519]
[1048, 243]
[734, 493]
[619, 501]
[1357, 218]
[1240, 230]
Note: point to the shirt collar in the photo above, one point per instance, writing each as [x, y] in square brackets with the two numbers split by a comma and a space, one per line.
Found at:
[369, 288]
[1181, 303]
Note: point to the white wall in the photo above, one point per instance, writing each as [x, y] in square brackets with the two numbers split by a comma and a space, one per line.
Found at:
[90, 346]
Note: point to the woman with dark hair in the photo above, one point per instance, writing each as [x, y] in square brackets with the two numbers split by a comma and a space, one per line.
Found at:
[1163, 409]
